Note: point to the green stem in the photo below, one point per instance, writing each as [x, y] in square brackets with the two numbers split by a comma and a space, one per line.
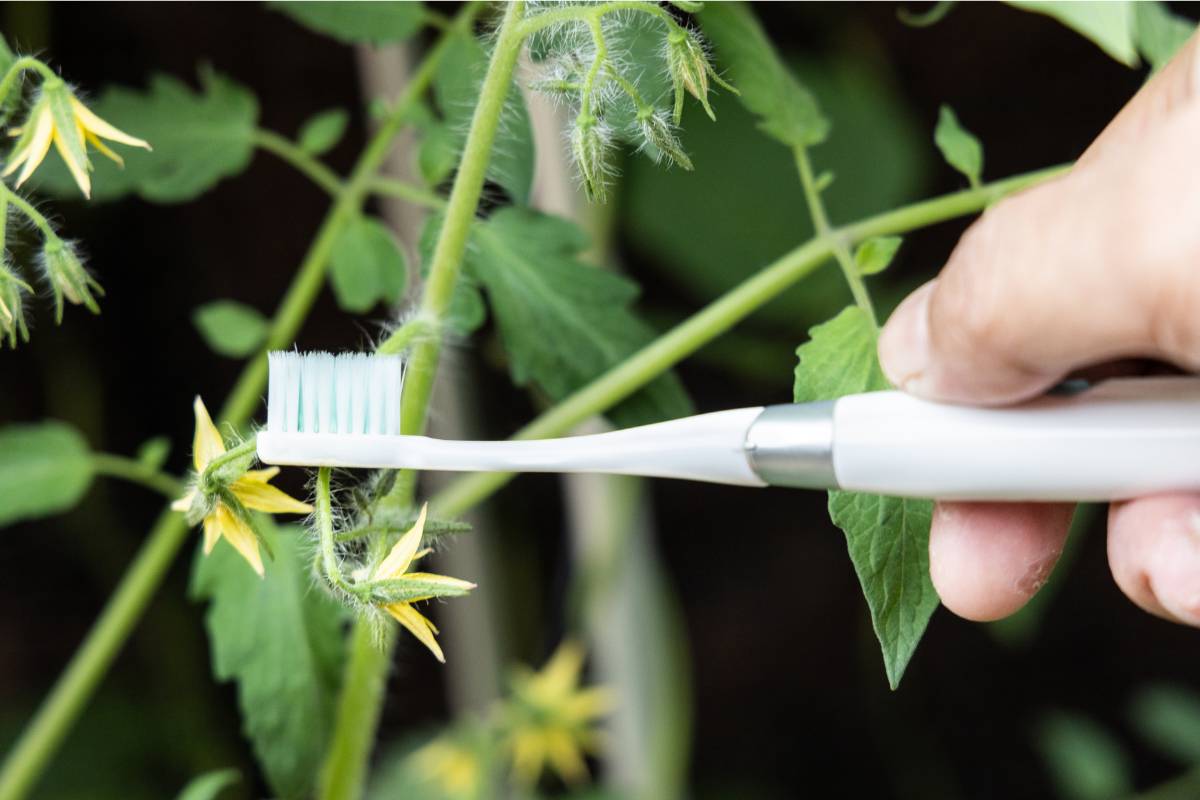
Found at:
[329, 562]
[26, 208]
[14, 71]
[404, 336]
[88, 665]
[344, 772]
[419, 195]
[823, 230]
[719, 316]
[134, 471]
[306, 163]
[598, 60]
[558, 16]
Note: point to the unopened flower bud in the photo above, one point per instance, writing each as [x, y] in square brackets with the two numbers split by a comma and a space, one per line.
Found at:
[589, 146]
[67, 277]
[689, 68]
[660, 140]
[12, 307]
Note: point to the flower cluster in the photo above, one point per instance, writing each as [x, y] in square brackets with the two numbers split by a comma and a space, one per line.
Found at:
[590, 64]
[57, 117]
[226, 490]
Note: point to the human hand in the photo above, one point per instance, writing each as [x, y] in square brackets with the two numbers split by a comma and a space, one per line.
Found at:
[1100, 265]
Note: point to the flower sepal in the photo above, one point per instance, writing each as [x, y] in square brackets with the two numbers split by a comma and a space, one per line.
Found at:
[414, 587]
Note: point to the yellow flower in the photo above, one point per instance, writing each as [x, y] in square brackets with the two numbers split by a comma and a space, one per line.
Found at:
[252, 491]
[552, 718]
[395, 568]
[454, 767]
[58, 117]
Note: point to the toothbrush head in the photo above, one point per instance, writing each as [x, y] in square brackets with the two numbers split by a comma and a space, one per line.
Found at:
[349, 393]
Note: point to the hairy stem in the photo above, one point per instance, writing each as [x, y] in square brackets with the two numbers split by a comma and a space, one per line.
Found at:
[134, 471]
[44, 733]
[290, 152]
[344, 772]
[26, 208]
[417, 195]
[823, 230]
[719, 316]
[18, 67]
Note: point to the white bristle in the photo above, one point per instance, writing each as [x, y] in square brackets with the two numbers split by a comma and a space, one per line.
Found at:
[352, 393]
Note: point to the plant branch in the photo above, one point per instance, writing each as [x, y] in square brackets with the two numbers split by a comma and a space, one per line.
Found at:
[419, 195]
[95, 655]
[306, 163]
[546, 19]
[134, 471]
[823, 230]
[719, 316]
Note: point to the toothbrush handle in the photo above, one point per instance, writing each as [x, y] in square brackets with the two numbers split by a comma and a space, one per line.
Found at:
[1123, 438]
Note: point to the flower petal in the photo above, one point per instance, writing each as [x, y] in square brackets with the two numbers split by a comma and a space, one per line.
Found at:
[565, 756]
[440, 580]
[93, 123]
[401, 556]
[241, 536]
[95, 142]
[212, 531]
[587, 704]
[528, 756]
[262, 496]
[561, 673]
[207, 443]
[184, 503]
[418, 626]
[263, 475]
[39, 145]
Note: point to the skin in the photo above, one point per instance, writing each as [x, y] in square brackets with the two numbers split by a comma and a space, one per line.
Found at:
[1094, 270]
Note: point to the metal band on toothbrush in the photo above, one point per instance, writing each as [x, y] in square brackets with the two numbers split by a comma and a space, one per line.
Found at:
[792, 445]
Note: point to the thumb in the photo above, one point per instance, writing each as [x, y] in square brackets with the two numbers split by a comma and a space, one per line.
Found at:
[1097, 265]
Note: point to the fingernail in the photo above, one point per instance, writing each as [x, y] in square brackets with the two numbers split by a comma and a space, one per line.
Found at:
[904, 342]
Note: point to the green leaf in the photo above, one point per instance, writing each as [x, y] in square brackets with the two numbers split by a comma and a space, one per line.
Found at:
[563, 322]
[322, 131]
[1085, 761]
[456, 88]
[209, 785]
[1109, 24]
[787, 110]
[281, 640]
[198, 139]
[706, 231]
[153, 452]
[875, 255]
[367, 266]
[437, 155]
[230, 328]
[1159, 32]
[1167, 716]
[959, 146]
[356, 22]
[888, 537]
[45, 469]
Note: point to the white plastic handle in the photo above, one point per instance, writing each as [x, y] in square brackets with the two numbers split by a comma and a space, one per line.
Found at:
[1124, 438]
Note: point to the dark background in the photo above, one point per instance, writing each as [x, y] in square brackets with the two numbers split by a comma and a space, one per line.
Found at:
[788, 686]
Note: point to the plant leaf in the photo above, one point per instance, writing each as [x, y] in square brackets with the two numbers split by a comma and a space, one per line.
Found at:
[888, 537]
[875, 255]
[356, 22]
[322, 131]
[198, 139]
[1167, 716]
[45, 468]
[1084, 760]
[1109, 25]
[456, 89]
[563, 322]
[787, 110]
[1159, 32]
[367, 266]
[959, 146]
[230, 328]
[209, 785]
[282, 642]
